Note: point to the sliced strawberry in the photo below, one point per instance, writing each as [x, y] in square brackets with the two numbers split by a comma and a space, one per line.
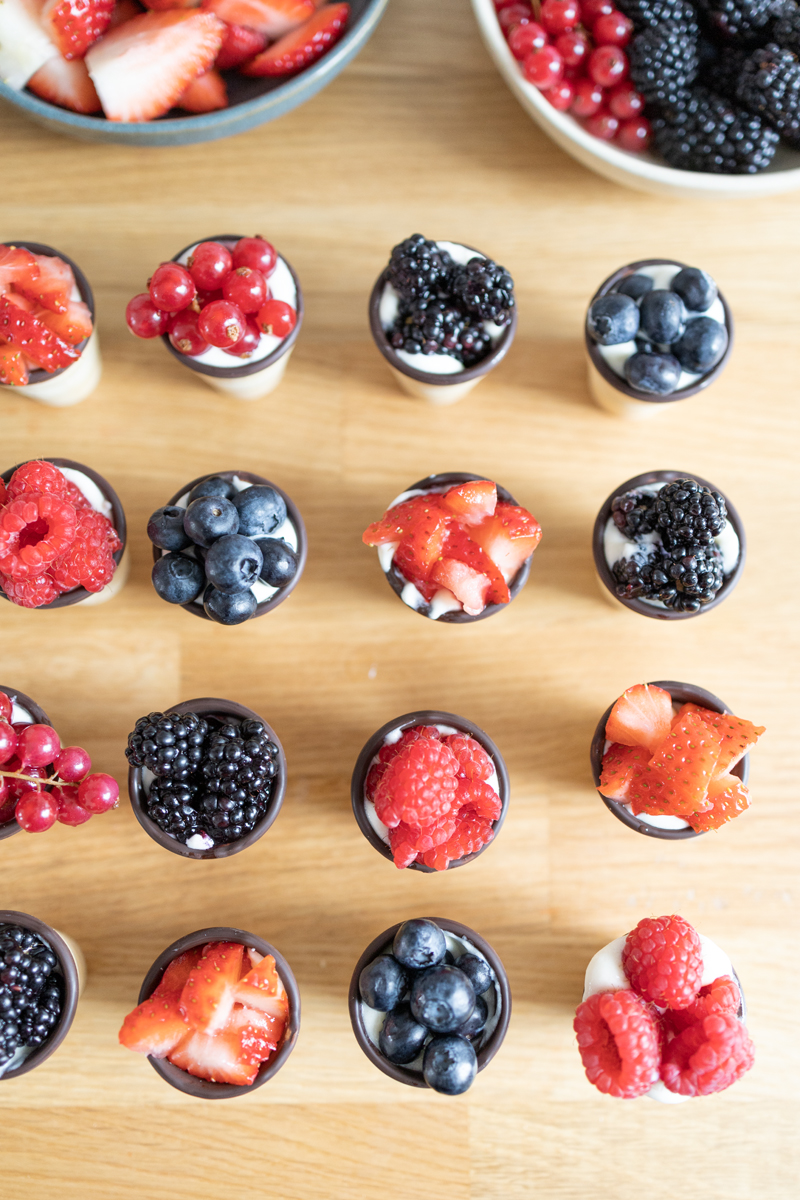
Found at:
[240, 44]
[405, 561]
[165, 5]
[459, 544]
[677, 778]
[22, 331]
[142, 68]
[25, 45]
[23, 302]
[125, 10]
[208, 994]
[621, 765]
[472, 502]
[13, 372]
[424, 541]
[75, 25]
[304, 46]
[73, 327]
[16, 263]
[178, 971]
[207, 93]
[508, 537]
[467, 585]
[738, 736]
[259, 1034]
[214, 1057]
[729, 797]
[52, 285]
[274, 18]
[262, 989]
[400, 519]
[156, 1026]
[642, 716]
[66, 84]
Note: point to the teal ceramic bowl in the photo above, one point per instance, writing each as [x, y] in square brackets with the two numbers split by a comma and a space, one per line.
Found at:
[252, 101]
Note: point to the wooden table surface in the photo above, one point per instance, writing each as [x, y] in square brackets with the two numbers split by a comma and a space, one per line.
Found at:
[418, 134]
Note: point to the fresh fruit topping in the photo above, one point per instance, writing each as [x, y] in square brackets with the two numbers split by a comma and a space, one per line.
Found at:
[51, 286]
[70, 810]
[187, 339]
[144, 319]
[472, 502]
[256, 253]
[35, 528]
[16, 263]
[721, 996]
[31, 592]
[214, 1057]
[37, 476]
[303, 46]
[89, 562]
[73, 326]
[419, 785]
[509, 537]
[239, 45]
[663, 959]
[271, 17]
[13, 370]
[36, 811]
[38, 343]
[708, 1056]
[248, 343]
[209, 263]
[470, 587]
[621, 765]
[738, 736]
[276, 318]
[76, 24]
[728, 797]
[177, 972]
[619, 1043]
[678, 775]
[8, 738]
[156, 1026]
[66, 82]
[642, 716]
[472, 834]
[171, 288]
[245, 287]
[98, 793]
[37, 745]
[474, 762]
[222, 324]
[207, 998]
[207, 93]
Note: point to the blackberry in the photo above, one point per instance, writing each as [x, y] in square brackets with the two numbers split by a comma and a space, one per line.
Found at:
[239, 765]
[689, 516]
[695, 577]
[643, 576]
[741, 21]
[485, 289]
[786, 30]
[663, 61]
[633, 514]
[722, 75]
[769, 86]
[649, 13]
[440, 327]
[700, 131]
[169, 804]
[419, 270]
[30, 990]
[168, 744]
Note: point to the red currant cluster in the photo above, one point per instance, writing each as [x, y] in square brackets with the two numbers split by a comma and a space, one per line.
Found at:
[37, 799]
[574, 54]
[220, 298]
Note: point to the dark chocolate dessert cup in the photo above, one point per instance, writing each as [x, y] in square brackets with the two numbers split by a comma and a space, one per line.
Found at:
[424, 717]
[397, 581]
[73, 970]
[682, 693]
[204, 1088]
[40, 717]
[80, 595]
[383, 945]
[610, 390]
[293, 513]
[217, 708]
[606, 579]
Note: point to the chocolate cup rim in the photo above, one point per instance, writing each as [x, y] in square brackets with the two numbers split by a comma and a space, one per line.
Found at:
[640, 606]
[425, 717]
[429, 377]
[459, 617]
[40, 717]
[293, 512]
[215, 707]
[245, 368]
[87, 296]
[67, 599]
[69, 970]
[205, 1089]
[376, 947]
[682, 693]
[620, 383]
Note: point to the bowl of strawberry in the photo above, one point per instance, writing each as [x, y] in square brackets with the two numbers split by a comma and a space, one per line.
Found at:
[455, 547]
[430, 791]
[218, 1013]
[164, 74]
[671, 760]
[229, 308]
[62, 535]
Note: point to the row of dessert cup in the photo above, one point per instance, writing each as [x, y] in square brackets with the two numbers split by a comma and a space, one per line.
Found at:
[255, 380]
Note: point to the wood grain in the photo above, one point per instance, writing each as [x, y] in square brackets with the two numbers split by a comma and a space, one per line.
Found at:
[419, 133]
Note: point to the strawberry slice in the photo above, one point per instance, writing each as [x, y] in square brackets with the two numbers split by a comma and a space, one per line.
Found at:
[207, 93]
[729, 798]
[459, 544]
[239, 46]
[24, 44]
[274, 18]
[208, 994]
[67, 84]
[399, 520]
[156, 1026]
[142, 68]
[259, 1034]
[16, 263]
[642, 716]
[125, 10]
[508, 537]
[738, 736]
[467, 585]
[51, 286]
[165, 5]
[472, 502]
[38, 343]
[304, 46]
[262, 988]
[178, 971]
[13, 372]
[75, 25]
[74, 326]
[621, 765]
[214, 1057]
[677, 778]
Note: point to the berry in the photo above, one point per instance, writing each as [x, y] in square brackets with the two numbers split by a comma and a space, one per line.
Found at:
[418, 944]
[233, 563]
[70, 810]
[208, 518]
[450, 1064]
[165, 528]
[524, 39]
[708, 1056]
[37, 476]
[477, 971]
[89, 562]
[442, 998]
[38, 745]
[261, 510]
[76, 24]
[35, 528]
[257, 254]
[625, 102]
[214, 485]
[677, 777]
[473, 761]
[702, 345]
[177, 578]
[36, 811]
[401, 1037]
[208, 995]
[156, 1026]
[209, 264]
[649, 13]
[383, 983]
[171, 287]
[589, 97]
[240, 44]
[98, 793]
[612, 29]
[728, 798]
[562, 95]
[592, 9]
[607, 65]
[634, 135]
[662, 316]
[560, 16]
[737, 736]
[472, 834]
[6, 705]
[222, 324]
[663, 959]
[72, 763]
[419, 270]
[513, 15]
[8, 738]
[621, 765]
[24, 332]
[700, 131]
[246, 287]
[634, 286]
[276, 318]
[619, 1043]
[248, 343]
[485, 289]
[279, 562]
[226, 609]
[303, 46]
[721, 996]
[30, 990]
[689, 513]
[603, 125]
[185, 334]
[544, 67]
[574, 48]
[29, 593]
[419, 786]
[144, 319]
[613, 319]
[741, 21]
[696, 288]
[476, 1021]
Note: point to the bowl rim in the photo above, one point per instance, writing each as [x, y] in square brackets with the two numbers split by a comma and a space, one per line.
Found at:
[40, 717]
[87, 296]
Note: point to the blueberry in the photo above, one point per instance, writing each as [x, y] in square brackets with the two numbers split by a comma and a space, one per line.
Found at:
[402, 1037]
[476, 1021]
[450, 1065]
[635, 286]
[165, 528]
[261, 510]
[213, 486]
[280, 562]
[613, 319]
[228, 610]
[419, 944]
[383, 983]
[178, 579]
[210, 517]
[696, 289]
[477, 971]
[657, 374]
[233, 563]
[663, 316]
[442, 998]
[702, 345]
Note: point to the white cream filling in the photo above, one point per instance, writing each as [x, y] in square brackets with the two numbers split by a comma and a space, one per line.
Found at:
[89, 490]
[20, 715]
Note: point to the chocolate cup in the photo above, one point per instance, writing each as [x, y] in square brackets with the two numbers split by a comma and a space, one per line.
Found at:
[397, 581]
[245, 367]
[293, 512]
[69, 969]
[136, 792]
[429, 377]
[383, 945]
[67, 599]
[40, 375]
[621, 384]
[204, 1088]
[641, 606]
[40, 717]
[682, 693]
[424, 717]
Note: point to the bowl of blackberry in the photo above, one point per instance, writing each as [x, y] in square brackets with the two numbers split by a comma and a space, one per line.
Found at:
[677, 97]
[207, 778]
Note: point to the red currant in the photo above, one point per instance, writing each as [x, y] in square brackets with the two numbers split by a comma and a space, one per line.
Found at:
[98, 793]
[634, 135]
[17, 787]
[8, 800]
[607, 65]
[504, 3]
[574, 48]
[248, 343]
[36, 811]
[603, 125]
[544, 67]
[276, 318]
[209, 263]
[8, 742]
[185, 335]
[624, 101]
[524, 39]
[222, 323]
[70, 811]
[6, 704]
[38, 745]
[171, 287]
[562, 95]
[588, 98]
[72, 763]
[144, 319]
[203, 298]
[246, 288]
[257, 253]
[612, 29]
[560, 16]
[515, 14]
[592, 9]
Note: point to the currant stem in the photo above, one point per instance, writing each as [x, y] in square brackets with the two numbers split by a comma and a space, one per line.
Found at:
[54, 781]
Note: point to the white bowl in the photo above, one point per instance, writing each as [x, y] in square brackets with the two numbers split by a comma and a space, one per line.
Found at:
[644, 172]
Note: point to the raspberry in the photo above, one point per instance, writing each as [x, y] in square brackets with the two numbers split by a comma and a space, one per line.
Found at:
[3, 493]
[37, 476]
[29, 593]
[663, 960]
[618, 1041]
[35, 528]
[472, 833]
[407, 841]
[721, 996]
[708, 1056]
[88, 562]
[419, 786]
[387, 753]
[478, 799]
[376, 773]
[76, 497]
[474, 762]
